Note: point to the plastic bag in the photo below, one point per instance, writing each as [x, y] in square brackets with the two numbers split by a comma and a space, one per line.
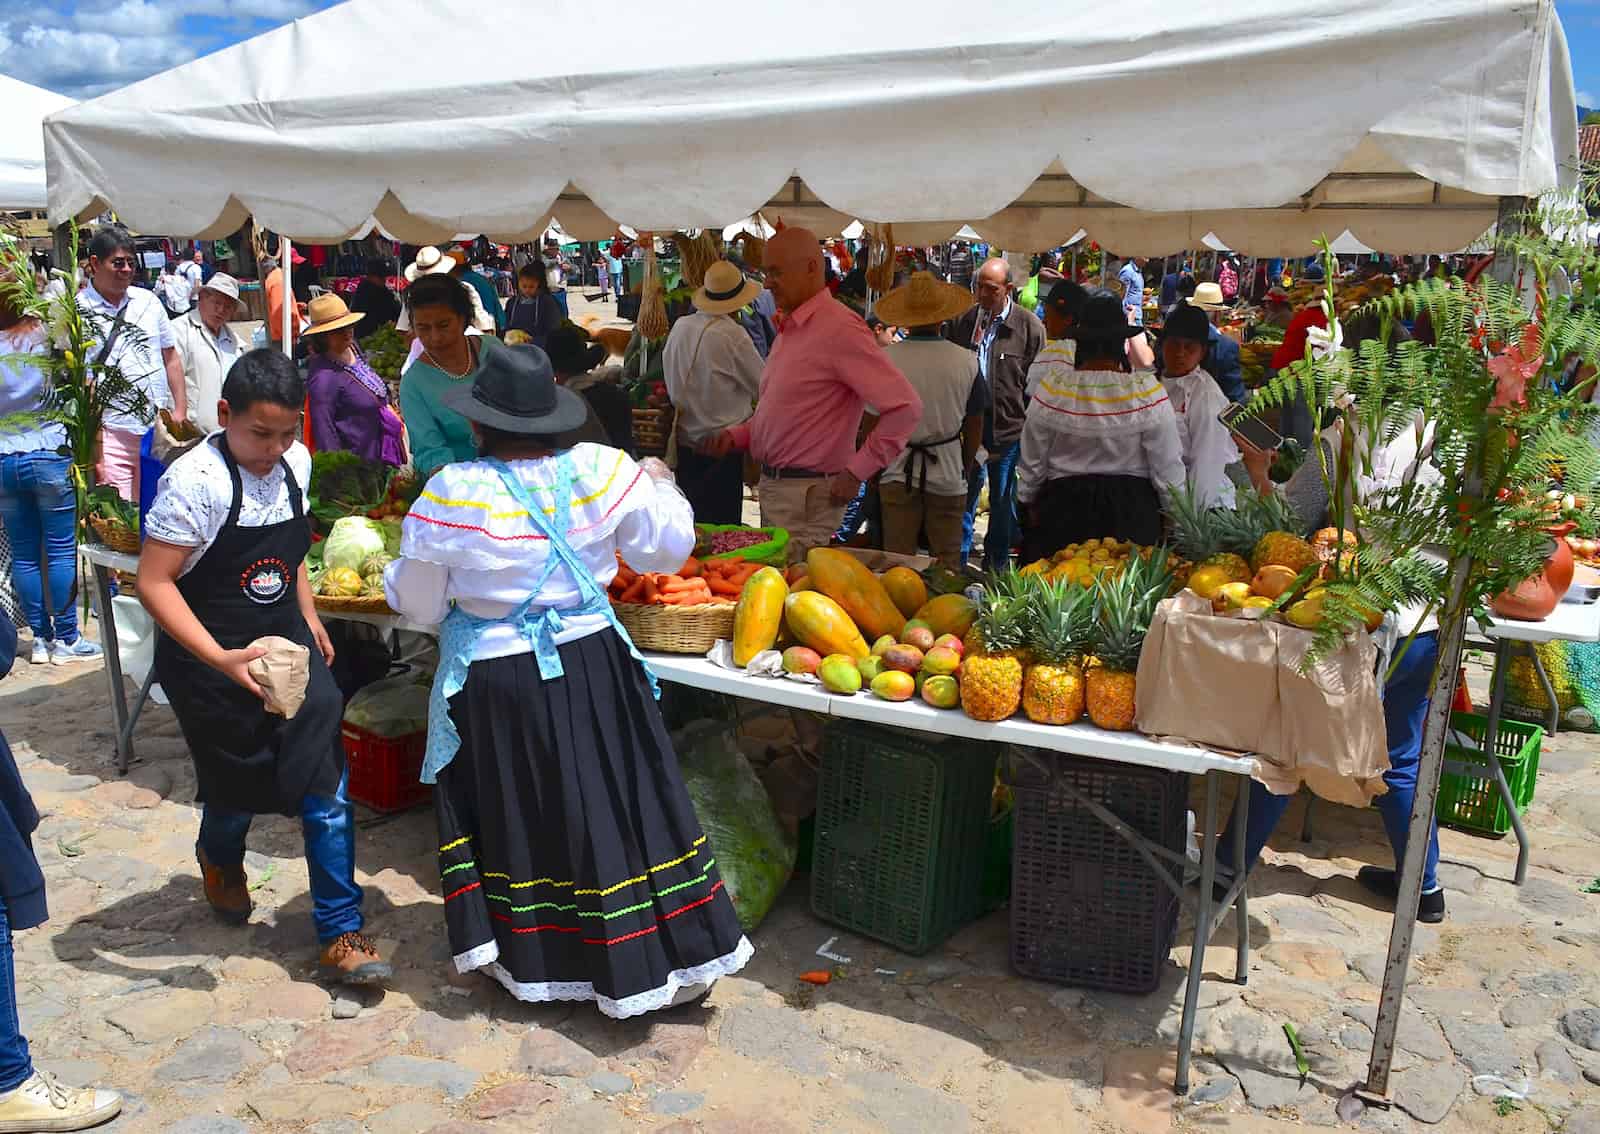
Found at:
[394, 706]
[754, 855]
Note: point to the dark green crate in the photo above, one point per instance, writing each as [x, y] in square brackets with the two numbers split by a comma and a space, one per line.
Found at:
[997, 859]
[1468, 797]
[901, 825]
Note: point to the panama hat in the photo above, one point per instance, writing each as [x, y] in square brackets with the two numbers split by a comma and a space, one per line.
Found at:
[922, 301]
[429, 262]
[223, 284]
[328, 312]
[1208, 297]
[515, 391]
[725, 289]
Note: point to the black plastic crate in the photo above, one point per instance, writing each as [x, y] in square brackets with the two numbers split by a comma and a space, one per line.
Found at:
[901, 823]
[1086, 909]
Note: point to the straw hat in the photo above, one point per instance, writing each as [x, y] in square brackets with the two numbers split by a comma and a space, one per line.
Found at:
[429, 262]
[922, 301]
[1208, 297]
[328, 313]
[725, 289]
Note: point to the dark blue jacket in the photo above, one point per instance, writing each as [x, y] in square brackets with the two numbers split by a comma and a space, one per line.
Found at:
[1222, 363]
[21, 883]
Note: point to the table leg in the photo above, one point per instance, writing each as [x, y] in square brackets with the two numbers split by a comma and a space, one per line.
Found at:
[1202, 926]
[1241, 820]
[108, 643]
[1552, 716]
[1491, 729]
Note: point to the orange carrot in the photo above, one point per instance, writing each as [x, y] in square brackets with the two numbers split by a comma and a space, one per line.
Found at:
[721, 586]
[691, 568]
[625, 573]
[817, 976]
[670, 583]
[650, 589]
[633, 592]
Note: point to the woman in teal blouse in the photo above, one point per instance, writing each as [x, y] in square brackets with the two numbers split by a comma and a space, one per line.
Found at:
[441, 310]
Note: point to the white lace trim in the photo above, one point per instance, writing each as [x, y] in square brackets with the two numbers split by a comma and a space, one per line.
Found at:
[486, 957]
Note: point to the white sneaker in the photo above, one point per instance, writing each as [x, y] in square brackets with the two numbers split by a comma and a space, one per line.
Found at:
[42, 1103]
[81, 650]
[41, 651]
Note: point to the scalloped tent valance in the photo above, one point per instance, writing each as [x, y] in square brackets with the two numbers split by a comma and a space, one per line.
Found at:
[1146, 123]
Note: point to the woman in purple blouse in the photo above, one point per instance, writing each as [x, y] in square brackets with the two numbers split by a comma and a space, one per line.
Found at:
[349, 405]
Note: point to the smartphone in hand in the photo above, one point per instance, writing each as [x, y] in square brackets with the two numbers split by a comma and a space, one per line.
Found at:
[1257, 433]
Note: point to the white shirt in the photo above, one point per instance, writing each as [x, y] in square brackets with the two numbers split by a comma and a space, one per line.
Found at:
[1208, 447]
[451, 554]
[196, 493]
[713, 374]
[140, 362]
[182, 285]
[943, 375]
[206, 360]
[1065, 349]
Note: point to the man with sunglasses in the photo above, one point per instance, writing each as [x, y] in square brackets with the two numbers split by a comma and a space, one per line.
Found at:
[141, 344]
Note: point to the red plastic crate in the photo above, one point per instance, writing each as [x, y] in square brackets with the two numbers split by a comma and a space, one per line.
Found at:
[384, 770]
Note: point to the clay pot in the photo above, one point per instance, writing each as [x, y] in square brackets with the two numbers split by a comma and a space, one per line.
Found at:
[1535, 597]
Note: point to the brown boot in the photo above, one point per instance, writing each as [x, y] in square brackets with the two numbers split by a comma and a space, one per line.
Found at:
[352, 958]
[226, 889]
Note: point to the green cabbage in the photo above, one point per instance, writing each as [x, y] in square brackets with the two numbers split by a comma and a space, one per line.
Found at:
[352, 539]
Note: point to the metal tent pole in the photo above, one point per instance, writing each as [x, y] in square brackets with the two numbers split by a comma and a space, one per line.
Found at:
[286, 266]
[1452, 629]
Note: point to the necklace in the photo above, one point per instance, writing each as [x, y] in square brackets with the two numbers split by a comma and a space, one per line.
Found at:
[436, 364]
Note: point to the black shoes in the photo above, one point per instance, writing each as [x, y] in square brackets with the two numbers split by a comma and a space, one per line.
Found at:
[1381, 881]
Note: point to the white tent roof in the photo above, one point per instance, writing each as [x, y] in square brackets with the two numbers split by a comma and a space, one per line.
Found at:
[1147, 123]
[22, 142]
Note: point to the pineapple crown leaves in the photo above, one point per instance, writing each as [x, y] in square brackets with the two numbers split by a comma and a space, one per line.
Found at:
[1125, 603]
[1005, 612]
[1063, 621]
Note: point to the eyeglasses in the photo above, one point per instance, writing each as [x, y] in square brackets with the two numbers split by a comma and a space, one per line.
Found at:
[120, 262]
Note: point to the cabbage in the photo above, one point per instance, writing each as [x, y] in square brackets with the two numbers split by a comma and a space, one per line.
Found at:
[352, 539]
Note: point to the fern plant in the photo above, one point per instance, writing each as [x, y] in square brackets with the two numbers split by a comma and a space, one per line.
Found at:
[1485, 425]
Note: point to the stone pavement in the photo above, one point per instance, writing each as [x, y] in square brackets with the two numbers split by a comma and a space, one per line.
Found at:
[213, 1030]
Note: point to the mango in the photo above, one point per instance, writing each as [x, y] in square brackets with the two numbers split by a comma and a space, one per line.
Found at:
[906, 589]
[1273, 580]
[801, 659]
[1257, 602]
[1206, 581]
[942, 691]
[947, 614]
[839, 674]
[919, 636]
[907, 659]
[1307, 613]
[951, 642]
[1230, 596]
[941, 660]
[870, 668]
[894, 686]
[883, 644]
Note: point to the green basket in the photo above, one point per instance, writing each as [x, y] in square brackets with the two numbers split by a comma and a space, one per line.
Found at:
[997, 859]
[901, 828]
[1468, 797]
[773, 553]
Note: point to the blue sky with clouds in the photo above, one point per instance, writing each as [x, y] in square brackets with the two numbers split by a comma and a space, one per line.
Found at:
[84, 48]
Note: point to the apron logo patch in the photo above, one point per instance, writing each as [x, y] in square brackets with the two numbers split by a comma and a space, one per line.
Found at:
[266, 581]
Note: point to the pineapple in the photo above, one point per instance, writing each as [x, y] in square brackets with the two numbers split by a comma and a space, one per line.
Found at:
[1124, 607]
[1201, 535]
[991, 672]
[1052, 690]
[1284, 549]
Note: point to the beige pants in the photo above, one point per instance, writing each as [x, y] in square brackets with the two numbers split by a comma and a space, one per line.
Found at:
[803, 508]
[907, 512]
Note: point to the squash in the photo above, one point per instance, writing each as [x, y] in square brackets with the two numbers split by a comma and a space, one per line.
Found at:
[948, 614]
[758, 615]
[906, 589]
[848, 582]
[819, 622]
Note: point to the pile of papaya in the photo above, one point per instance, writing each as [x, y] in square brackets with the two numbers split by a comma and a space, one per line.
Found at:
[695, 583]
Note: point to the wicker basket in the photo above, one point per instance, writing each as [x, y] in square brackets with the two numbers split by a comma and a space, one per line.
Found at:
[358, 604]
[117, 536]
[676, 629]
[651, 428]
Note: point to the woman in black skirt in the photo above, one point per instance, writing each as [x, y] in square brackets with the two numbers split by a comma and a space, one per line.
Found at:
[1100, 443]
[572, 864]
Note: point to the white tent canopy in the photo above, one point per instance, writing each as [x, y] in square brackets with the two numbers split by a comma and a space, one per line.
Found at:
[1402, 121]
[22, 142]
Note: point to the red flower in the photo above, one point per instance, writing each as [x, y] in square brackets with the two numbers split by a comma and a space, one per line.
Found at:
[1514, 368]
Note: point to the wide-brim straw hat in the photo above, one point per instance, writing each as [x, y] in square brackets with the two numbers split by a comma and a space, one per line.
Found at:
[429, 262]
[923, 301]
[515, 391]
[725, 289]
[329, 312]
[1208, 297]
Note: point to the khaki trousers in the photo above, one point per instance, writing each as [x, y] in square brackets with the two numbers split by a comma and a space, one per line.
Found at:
[803, 507]
[909, 511]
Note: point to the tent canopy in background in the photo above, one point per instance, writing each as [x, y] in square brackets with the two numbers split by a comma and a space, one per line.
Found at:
[1147, 123]
[22, 142]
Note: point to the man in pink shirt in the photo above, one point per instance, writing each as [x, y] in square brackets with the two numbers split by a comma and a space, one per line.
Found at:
[824, 371]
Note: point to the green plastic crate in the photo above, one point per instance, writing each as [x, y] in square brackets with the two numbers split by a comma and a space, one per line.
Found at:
[1468, 797]
[901, 824]
[774, 552]
[997, 859]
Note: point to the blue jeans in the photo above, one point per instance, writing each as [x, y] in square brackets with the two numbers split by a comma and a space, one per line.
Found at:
[328, 822]
[1405, 706]
[16, 1067]
[41, 517]
[616, 283]
[1001, 472]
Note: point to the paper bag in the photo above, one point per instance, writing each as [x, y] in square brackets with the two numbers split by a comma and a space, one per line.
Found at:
[283, 673]
[1235, 683]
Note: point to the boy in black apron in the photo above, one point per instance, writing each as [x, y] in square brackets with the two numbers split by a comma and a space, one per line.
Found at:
[222, 565]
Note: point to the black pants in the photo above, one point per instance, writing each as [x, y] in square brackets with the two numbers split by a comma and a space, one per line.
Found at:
[1076, 508]
[714, 485]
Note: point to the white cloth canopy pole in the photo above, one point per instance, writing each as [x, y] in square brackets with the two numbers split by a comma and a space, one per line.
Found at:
[285, 262]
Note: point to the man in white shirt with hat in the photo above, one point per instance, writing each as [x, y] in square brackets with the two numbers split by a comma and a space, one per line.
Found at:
[713, 374]
[207, 348]
[1222, 351]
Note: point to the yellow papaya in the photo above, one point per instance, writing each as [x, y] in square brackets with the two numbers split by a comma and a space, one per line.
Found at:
[758, 615]
[848, 582]
[948, 614]
[906, 589]
[819, 622]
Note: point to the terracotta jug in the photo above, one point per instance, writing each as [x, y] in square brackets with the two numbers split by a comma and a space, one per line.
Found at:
[1535, 597]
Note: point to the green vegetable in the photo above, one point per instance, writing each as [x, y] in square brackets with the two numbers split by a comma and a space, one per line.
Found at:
[343, 484]
[351, 541]
[1301, 1063]
[104, 502]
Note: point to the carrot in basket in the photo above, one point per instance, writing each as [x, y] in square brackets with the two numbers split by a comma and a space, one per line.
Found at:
[691, 568]
[625, 573]
[633, 592]
[721, 586]
[650, 590]
[670, 583]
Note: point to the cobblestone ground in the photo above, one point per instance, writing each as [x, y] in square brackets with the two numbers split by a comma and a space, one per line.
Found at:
[212, 1030]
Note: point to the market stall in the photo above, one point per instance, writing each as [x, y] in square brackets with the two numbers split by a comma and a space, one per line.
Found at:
[22, 168]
